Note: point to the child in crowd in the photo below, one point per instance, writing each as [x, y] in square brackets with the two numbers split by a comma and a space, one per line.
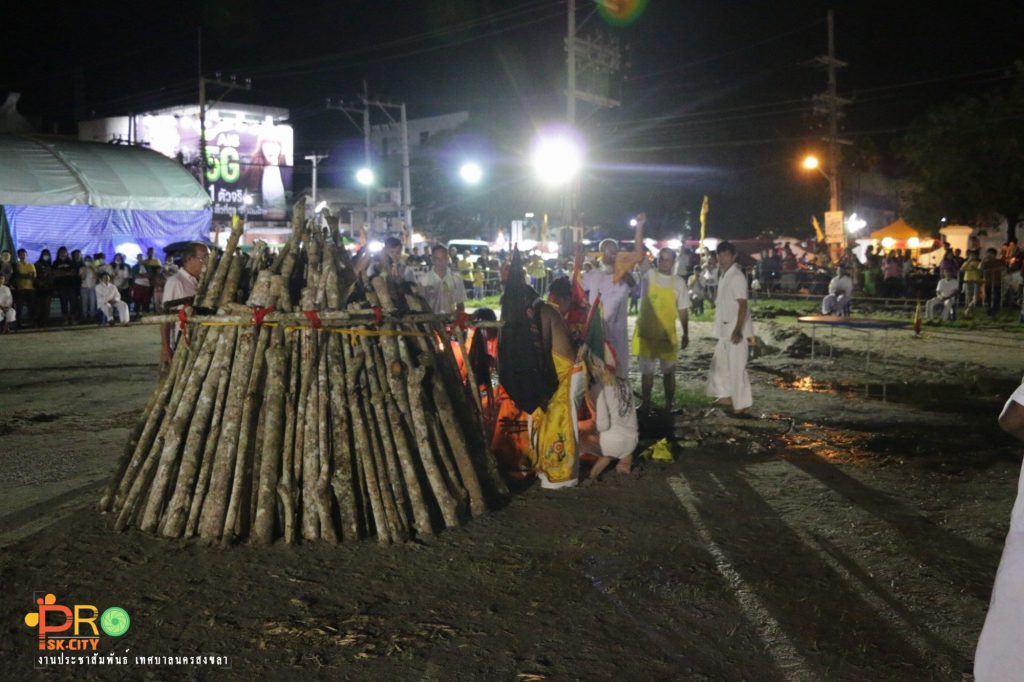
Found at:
[478, 281]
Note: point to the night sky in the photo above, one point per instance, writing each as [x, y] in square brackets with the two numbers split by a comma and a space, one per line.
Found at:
[716, 98]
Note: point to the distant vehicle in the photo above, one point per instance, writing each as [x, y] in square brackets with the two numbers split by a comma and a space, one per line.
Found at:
[470, 249]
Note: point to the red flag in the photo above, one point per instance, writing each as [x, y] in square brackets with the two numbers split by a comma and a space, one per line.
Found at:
[577, 315]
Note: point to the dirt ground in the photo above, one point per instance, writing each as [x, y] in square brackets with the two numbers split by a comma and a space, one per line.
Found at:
[850, 532]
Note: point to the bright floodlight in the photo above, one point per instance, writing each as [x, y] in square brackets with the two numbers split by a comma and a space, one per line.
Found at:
[471, 173]
[632, 222]
[855, 224]
[247, 200]
[914, 243]
[888, 243]
[375, 246]
[556, 160]
[365, 177]
[811, 162]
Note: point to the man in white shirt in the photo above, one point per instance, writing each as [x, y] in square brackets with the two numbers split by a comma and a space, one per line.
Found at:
[946, 293]
[728, 381]
[614, 303]
[390, 263]
[999, 655]
[655, 341]
[180, 291]
[7, 313]
[442, 286]
[840, 291]
[108, 298]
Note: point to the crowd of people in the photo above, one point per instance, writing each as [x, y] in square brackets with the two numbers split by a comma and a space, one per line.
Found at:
[87, 288]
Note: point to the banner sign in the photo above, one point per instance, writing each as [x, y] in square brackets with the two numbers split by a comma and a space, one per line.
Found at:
[244, 159]
[834, 233]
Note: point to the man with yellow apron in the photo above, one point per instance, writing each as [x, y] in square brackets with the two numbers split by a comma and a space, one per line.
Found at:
[655, 340]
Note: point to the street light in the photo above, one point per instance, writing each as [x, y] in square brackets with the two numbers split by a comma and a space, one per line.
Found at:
[556, 159]
[811, 162]
[471, 173]
[365, 177]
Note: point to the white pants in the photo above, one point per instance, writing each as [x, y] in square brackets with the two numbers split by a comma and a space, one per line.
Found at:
[728, 376]
[934, 304]
[834, 303]
[999, 655]
[8, 315]
[122, 312]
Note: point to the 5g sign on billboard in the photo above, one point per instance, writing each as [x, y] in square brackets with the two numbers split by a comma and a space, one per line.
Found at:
[241, 159]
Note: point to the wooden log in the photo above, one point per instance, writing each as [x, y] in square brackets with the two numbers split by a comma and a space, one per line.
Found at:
[400, 413]
[142, 439]
[273, 442]
[311, 456]
[210, 446]
[387, 458]
[354, 381]
[331, 318]
[286, 486]
[453, 432]
[238, 505]
[342, 482]
[176, 514]
[170, 441]
[321, 491]
[212, 294]
[213, 516]
[234, 276]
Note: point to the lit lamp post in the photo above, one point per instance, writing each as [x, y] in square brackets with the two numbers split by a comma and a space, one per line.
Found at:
[366, 178]
[834, 218]
[557, 160]
[811, 162]
[471, 173]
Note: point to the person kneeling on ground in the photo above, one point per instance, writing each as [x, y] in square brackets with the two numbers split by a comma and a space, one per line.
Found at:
[840, 291]
[946, 292]
[107, 296]
[7, 314]
[615, 419]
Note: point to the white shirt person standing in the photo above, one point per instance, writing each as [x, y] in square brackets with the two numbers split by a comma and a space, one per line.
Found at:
[728, 381]
[442, 286]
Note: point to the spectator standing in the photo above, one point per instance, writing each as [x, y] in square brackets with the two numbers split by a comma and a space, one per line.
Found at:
[65, 283]
[87, 289]
[971, 270]
[992, 271]
[728, 381]
[655, 340]
[76, 295]
[614, 302]
[24, 286]
[122, 277]
[142, 289]
[892, 276]
[6, 266]
[180, 291]
[44, 287]
[442, 285]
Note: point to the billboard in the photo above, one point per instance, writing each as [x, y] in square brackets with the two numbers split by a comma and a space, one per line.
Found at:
[245, 158]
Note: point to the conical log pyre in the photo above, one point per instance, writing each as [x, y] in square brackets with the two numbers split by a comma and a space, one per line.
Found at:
[327, 421]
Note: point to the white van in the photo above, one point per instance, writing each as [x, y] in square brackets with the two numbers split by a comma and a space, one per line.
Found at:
[469, 249]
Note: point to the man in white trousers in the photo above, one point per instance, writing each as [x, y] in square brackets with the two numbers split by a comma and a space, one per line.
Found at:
[108, 297]
[728, 382]
[999, 655]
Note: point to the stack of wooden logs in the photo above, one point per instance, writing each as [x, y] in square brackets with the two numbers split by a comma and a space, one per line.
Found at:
[322, 421]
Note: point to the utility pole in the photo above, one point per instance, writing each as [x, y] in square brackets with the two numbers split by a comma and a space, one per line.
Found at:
[831, 104]
[228, 86]
[365, 128]
[315, 159]
[597, 60]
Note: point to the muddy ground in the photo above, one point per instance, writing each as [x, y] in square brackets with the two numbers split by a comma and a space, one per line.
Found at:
[850, 532]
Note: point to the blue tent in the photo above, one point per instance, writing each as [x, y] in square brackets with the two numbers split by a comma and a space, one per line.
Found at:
[96, 197]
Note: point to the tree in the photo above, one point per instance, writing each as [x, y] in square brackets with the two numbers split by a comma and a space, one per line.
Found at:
[966, 160]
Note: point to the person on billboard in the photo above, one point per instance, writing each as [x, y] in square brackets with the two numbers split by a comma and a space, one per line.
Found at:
[263, 173]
